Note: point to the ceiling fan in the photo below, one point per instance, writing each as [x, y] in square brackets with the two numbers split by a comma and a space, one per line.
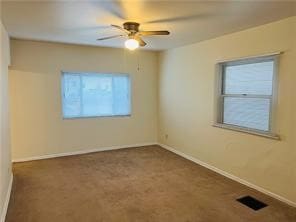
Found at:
[134, 35]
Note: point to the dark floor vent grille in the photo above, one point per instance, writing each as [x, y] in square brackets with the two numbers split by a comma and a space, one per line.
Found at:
[252, 202]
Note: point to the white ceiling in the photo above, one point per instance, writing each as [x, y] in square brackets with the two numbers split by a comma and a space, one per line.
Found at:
[82, 22]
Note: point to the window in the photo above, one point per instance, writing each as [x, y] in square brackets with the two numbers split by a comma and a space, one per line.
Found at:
[246, 95]
[91, 95]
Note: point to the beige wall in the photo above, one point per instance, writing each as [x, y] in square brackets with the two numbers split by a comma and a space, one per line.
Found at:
[35, 91]
[186, 107]
[5, 160]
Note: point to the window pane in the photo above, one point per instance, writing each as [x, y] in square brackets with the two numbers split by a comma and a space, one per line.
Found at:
[71, 100]
[247, 112]
[121, 95]
[95, 95]
[255, 78]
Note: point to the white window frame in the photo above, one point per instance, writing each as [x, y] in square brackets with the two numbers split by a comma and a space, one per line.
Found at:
[271, 133]
[90, 74]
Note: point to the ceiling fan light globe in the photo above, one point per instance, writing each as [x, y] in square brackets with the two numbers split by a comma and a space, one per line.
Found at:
[131, 44]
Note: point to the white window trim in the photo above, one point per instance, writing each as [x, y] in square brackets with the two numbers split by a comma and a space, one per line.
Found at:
[63, 72]
[218, 118]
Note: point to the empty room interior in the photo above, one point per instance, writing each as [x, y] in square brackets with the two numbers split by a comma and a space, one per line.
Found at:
[148, 111]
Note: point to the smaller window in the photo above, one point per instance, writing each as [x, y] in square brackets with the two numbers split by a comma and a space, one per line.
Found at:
[246, 95]
[93, 95]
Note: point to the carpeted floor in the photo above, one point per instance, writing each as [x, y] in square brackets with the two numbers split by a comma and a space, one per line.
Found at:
[131, 185]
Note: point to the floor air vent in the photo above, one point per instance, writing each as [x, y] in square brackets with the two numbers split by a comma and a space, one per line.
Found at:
[252, 202]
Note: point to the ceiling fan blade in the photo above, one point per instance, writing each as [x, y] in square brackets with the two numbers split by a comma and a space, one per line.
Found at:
[114, 7]
[141, 41]
[143, 33]
[109, 37]
[181, 18]
[83, 29]
[121, 28]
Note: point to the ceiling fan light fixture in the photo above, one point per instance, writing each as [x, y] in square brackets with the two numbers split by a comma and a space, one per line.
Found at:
[131, 44]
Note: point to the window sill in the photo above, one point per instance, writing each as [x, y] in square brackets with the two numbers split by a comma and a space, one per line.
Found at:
[97, 117]
[243, 130]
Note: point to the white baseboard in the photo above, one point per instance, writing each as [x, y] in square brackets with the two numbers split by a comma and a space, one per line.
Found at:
[49, 156]
[6, 201]
[230, 176]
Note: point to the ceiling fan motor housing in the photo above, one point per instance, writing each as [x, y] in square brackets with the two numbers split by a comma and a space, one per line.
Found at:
[131, 26]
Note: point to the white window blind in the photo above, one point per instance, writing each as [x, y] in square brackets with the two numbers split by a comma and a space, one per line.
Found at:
[90, 95]
[246, 98]
[247, 112]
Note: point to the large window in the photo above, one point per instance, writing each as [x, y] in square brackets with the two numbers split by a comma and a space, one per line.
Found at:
[246, 95]
[91, 95]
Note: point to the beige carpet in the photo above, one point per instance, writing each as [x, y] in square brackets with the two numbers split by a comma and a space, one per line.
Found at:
[131, 185]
